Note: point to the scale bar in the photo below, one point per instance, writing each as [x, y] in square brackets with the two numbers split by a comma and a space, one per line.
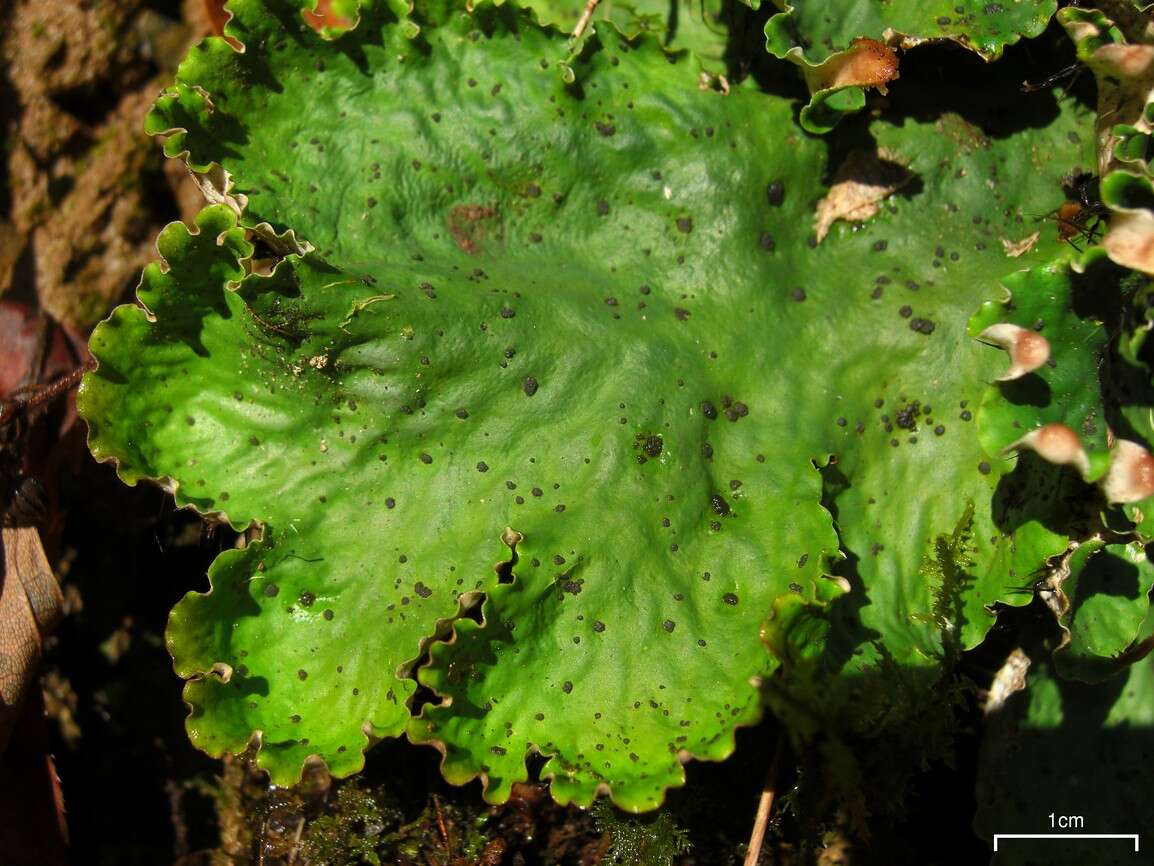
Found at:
[1133, 836]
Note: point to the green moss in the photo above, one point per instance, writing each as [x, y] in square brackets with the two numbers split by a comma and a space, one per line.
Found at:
[351, 832]
[652, 840]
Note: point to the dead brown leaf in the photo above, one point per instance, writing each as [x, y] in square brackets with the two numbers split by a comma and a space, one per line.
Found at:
[1020, 248]
[862, 181]
[30, 606]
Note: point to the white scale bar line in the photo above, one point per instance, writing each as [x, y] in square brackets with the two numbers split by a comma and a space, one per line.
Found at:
[1133, 836]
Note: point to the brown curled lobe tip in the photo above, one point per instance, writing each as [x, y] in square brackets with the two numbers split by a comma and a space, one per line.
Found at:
[1131, 475]
[866, 63]
[1028, 349]
[1055, 443]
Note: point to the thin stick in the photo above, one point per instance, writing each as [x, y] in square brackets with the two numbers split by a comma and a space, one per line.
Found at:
[29, 397]
[292, 857]
[764, 807]
[583, 21]
[444, 830]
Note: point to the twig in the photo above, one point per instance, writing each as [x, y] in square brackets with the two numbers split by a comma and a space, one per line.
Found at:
[292, 857]
[448, 840]
[175, 794]
[764, 807]
[583, 21]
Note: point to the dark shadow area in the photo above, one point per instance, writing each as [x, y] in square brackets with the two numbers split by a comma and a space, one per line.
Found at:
[1107, 574]
[1028, 390]
[118, 727]
[1072, 771]
[1055, 496]
[848, 633]
[942, 77]
[1097, 294]
[746, 56]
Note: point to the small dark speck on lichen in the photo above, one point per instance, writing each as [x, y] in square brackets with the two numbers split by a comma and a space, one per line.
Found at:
[685, 225]
[602, 207]
[922, 326]
[425, 458]
[669, 625]
[271, 590]
[652, 445]
[302, 674]
[529, 386]
[729, 598]
[482, 466]
[328, 614]
[567, 687]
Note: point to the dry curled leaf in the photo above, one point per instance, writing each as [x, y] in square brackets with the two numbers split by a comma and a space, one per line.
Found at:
[1009, 680]
[862, 181]
[30, 605]
[1014, 249]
